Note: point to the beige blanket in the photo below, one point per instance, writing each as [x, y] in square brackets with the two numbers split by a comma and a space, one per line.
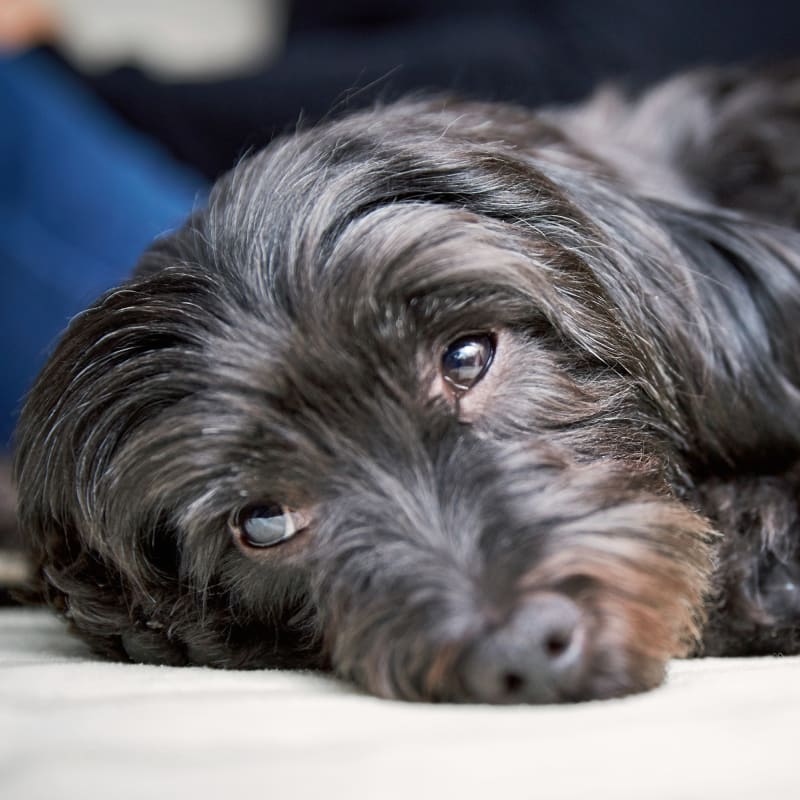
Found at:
[75, 727]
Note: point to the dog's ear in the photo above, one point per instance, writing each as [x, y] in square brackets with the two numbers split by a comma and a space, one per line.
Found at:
[108, 572]
[744, 276]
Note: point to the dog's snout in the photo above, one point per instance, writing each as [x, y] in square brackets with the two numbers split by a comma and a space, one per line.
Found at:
[537, 656]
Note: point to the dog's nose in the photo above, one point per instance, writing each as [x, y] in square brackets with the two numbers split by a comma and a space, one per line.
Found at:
[536, 657]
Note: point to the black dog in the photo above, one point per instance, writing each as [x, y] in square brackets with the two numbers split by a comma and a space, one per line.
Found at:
[463, 402]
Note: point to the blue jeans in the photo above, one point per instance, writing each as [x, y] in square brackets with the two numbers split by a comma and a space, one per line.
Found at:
[81, 196]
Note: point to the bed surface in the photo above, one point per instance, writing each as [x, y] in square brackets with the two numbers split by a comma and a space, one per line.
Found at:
[75, 727]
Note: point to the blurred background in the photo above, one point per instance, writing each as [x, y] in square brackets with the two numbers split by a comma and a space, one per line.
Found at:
[116, 116]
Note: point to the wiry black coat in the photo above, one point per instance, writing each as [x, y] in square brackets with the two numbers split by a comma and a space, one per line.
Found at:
[634, 446]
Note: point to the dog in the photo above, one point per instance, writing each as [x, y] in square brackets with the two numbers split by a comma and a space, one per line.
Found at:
[461, 401]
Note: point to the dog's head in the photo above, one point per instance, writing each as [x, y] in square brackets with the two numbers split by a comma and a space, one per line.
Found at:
[402, 400]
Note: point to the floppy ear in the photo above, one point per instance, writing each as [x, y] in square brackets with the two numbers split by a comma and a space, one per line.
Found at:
[104, 557]
[746, 275]
[107, 573]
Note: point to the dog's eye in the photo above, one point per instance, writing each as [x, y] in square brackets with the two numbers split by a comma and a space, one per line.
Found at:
[266, 526]
[466, 360]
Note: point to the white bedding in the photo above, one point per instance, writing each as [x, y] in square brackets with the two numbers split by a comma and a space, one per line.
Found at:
[75, 727]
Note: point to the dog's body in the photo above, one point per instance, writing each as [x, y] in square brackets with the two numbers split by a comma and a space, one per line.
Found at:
[521, 391]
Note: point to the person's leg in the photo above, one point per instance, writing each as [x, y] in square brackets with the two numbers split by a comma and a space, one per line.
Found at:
[81, 196]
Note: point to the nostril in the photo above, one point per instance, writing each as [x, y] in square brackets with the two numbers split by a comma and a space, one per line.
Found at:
[513, 683]
[556, 644]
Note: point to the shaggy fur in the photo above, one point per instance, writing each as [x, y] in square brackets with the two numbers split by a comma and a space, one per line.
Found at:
[630, 462]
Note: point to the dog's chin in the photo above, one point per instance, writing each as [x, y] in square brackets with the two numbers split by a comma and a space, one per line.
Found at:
[603, 658]
[607, 662]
